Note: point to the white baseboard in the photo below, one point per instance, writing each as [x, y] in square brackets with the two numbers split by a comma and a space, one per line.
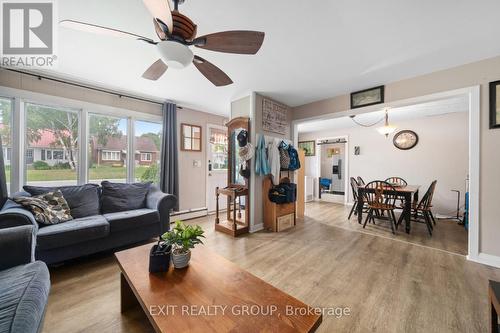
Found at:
[485, 259]
[188, 214]
[257, 227]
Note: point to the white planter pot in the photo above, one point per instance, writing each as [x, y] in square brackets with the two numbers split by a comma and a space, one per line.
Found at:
[181, 260]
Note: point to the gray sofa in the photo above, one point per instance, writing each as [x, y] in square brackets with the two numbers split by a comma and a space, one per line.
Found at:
[92, 230]
[24, 283]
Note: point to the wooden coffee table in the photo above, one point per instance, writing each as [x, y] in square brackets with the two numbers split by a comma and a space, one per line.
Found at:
[211, 295]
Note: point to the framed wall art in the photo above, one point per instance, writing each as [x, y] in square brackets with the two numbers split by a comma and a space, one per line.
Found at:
[274, 117]
[367, 97]
[309, 147]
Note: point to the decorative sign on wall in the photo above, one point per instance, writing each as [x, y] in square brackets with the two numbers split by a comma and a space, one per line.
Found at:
[274, 117]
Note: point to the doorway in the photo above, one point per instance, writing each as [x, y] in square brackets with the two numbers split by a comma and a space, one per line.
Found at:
[332, 169]
[217, 164]
[472, 101]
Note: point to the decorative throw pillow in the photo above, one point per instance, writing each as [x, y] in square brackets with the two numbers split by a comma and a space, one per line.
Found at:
[83, 200]
[119, 197]
[48, 208]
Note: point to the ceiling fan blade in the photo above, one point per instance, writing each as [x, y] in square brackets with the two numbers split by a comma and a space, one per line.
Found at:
[160, 9]
[241, 42]
[159, 30]
[94, 28]
[212, 72]
[155, 71]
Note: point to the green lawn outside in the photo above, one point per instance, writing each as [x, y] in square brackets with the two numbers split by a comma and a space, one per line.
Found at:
[102, 172]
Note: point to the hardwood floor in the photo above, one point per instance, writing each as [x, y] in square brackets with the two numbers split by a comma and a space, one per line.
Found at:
[390, 285]
[447, 235]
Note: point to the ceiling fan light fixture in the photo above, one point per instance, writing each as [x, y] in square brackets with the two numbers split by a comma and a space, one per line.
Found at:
[174, 54]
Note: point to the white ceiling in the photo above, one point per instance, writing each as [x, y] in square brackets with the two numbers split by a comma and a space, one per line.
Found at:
[430, 109]
[314, 49]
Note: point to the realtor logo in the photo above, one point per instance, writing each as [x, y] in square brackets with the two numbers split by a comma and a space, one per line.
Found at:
[28, 33]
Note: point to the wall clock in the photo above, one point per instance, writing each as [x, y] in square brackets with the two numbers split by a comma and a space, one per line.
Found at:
[405, 140]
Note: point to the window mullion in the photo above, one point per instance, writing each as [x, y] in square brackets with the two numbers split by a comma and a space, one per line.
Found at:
[83, 151]
[17, 165]
[131, 150]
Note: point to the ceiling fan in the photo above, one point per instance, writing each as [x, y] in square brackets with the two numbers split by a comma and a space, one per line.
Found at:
[177, 33]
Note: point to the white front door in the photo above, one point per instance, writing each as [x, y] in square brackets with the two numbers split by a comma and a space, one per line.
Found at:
[216, 164]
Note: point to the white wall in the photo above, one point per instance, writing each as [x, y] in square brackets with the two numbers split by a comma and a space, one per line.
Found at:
[442, 154]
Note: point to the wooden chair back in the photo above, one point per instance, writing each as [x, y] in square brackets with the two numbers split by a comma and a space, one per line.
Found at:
[361, 182]
[426, 202]
[397, 180]
[379, 195]
[354, 187]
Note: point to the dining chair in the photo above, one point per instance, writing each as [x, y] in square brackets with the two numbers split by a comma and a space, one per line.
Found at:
[423, 208]
[361, 182]
[380, 202]
[397, 181]
[354, 187]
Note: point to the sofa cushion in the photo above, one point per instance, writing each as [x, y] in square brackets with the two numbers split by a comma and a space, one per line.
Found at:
[48, 208]
[83, 200]
[24, 291]
[132, 219]
[72, 232]
[118, 197]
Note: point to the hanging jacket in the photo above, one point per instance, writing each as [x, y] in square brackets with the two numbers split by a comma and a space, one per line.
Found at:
[262, 167]
[294, 158]
[273, 154]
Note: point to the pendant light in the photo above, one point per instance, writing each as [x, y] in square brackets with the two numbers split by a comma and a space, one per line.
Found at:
[386, 129]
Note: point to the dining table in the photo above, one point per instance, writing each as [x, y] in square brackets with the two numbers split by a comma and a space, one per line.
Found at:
[408, 193]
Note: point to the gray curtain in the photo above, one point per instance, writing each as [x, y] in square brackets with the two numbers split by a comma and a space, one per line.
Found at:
[169, 179]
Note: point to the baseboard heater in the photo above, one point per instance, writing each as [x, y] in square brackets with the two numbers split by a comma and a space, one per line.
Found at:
[188, 214]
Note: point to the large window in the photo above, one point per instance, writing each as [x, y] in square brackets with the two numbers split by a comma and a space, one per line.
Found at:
[147, 144]
[107, 149]
[66, 142]
[5, 133]
[55, 129]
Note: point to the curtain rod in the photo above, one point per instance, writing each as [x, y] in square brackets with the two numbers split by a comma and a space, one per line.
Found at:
[120, 95]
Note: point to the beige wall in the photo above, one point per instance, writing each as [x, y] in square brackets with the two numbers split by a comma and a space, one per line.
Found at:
[30, 83]
[192, 179]
[478, 73]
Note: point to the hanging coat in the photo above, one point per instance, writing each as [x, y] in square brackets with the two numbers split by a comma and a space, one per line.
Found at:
[274, 160]
[262, 167]
[294, 158]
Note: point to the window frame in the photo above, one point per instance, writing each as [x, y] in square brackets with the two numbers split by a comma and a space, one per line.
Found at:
[111, 153]
[150, 155]
[191, 137]
[19, 98]
[7, 150]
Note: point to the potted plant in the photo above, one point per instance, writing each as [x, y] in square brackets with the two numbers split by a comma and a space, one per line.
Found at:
[183, 238]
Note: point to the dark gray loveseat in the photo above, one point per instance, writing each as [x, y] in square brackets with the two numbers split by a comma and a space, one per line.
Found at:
[92, 230]
[24, 283]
